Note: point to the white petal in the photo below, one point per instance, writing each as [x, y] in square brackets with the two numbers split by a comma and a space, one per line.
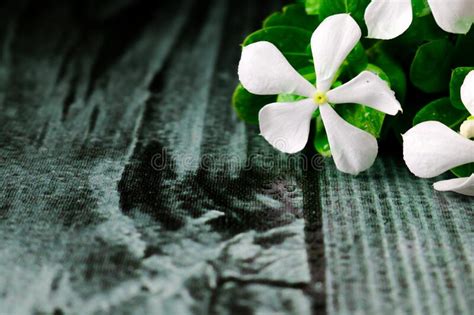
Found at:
[387, 19]
[431, 148]
[331, 42]
[263, 70]
[366, 89]
[453, 16]
[286, 125]
[463, 185]
[467, 92]
[353, 149]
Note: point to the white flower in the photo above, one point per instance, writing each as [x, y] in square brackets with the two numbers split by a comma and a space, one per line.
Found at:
[431, 148]
[263, 70]
[387, 19]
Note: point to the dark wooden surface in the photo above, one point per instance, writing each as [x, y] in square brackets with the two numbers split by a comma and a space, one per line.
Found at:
[128, 185]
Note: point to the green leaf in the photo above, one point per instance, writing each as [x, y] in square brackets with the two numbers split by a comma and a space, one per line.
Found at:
[464, 170]
[422, 29]
[430, 68]
[308, 73]
[292, 15]
[464, 50]
[289, 98]
[247, 105]
[355, 7]
[355, 63]
[378, 71]
[457, 79]
[420, 8]
[312, 6]
[357, 60]
[291, 41]
[394, 72]
[363, 117]
[320, 141]
[441, 110]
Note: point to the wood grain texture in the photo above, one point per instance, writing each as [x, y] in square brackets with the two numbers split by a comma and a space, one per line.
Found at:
[394, 245]
[128, 185]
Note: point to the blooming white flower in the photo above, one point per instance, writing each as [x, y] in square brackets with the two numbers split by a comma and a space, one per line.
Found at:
[387, 19]
[431, 148]
[263, 70]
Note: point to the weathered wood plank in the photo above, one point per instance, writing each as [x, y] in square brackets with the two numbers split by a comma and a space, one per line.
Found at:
[88, 109]
[394, 245]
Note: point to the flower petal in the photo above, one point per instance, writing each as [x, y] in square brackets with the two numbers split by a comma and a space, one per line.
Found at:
[353, 149]
[331, 42]
[263, 70]
[286, 125]
[463, 185]
[387, 19]
[453, 16]
[467, 92]
[366, 89]
[431, 148]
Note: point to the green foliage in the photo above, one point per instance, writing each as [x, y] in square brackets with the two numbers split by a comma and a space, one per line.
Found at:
[378, 71]
[420, 8]
[441, 110]
[288, 98]
[247, 105]
[464, 170]
[430, 68]
[463, 55]
[363, 117]
[312, 6]
[292, 15]
[394, 72]
[422, 30]
[355, 7]
[457, 79]
[357, 60]
[291, 41]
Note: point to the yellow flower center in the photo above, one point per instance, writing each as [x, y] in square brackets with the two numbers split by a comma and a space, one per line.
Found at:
[320, 98]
